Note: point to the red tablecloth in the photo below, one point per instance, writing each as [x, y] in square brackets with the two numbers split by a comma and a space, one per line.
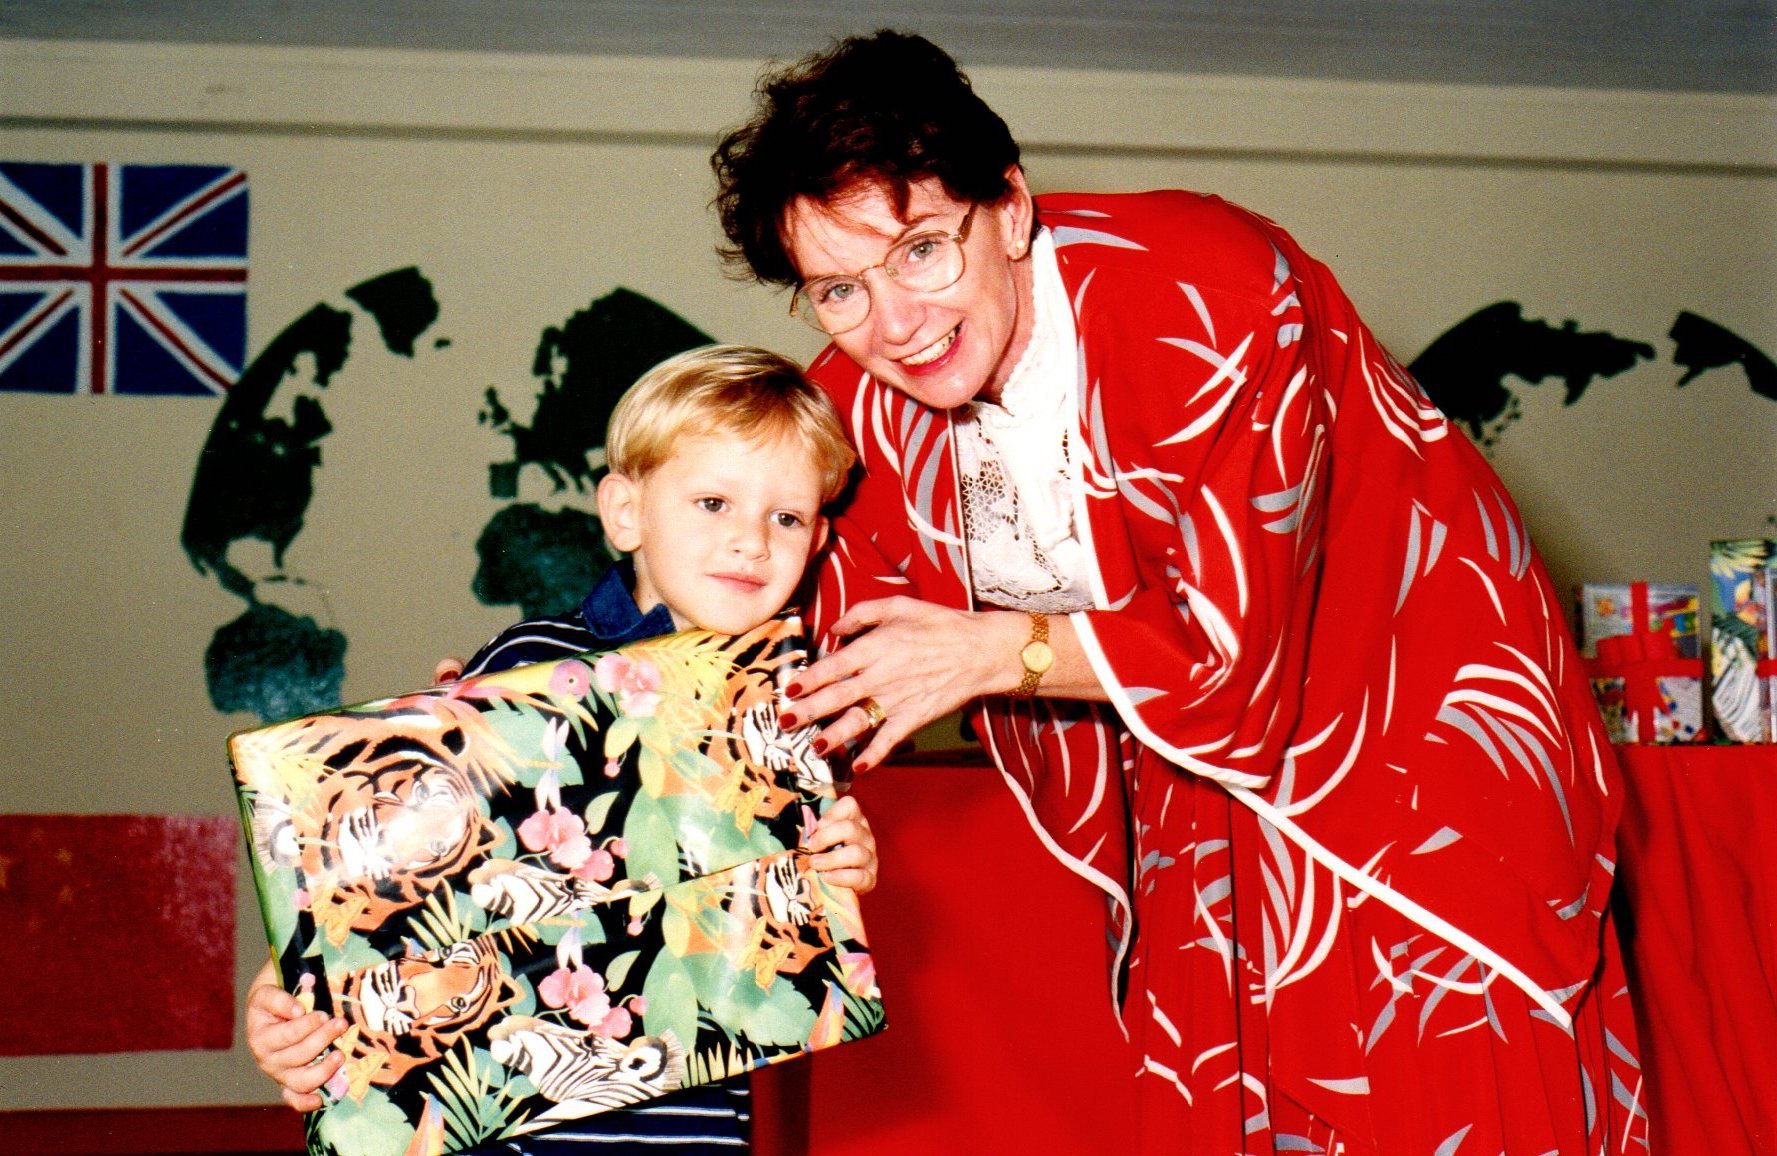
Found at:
[974, 926]
[983, 945]
[1697, 901]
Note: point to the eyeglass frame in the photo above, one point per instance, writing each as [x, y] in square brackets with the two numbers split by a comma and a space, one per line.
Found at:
[958, 238]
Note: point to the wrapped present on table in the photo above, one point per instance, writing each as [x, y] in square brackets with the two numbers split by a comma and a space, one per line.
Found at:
[552, 891]
[1740, 666]
[1609, 609]
[1640, 639]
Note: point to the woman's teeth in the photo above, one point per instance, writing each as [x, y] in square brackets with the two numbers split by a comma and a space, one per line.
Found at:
[931, 352]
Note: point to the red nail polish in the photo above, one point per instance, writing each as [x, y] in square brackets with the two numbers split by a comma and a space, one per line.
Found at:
[859, 767]
[820, 746]
[794, 690]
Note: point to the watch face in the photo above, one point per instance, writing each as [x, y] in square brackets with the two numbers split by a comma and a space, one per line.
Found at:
[1037, 657]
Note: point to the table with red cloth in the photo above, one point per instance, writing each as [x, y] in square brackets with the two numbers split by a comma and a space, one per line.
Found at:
[983, 941]
[1697, 908]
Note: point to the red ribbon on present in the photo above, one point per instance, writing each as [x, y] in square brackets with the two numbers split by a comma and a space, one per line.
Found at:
[1641, 658]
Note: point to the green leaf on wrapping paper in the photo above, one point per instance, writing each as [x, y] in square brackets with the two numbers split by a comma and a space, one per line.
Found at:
[523, 727]
[618, 971]
[653, 849]
[351, 955]
[508, 847]
[599, 810]
[718, 837]
[694, 764]
[1733, 626]
[373, 1127]
[779, 1015]
[277, 892]
[621, 736]
[652, 771]
[672, 1000]
[675, 931]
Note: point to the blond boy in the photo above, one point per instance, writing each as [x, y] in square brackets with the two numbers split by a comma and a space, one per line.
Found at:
[722, 460]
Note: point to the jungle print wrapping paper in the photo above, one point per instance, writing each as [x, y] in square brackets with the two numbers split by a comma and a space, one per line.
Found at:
[551, 891]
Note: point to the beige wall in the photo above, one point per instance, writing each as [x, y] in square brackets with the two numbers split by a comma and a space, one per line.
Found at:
[524, 187]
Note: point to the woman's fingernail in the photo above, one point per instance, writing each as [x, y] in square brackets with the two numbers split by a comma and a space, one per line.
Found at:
[788, 721]
[859, 767]
[820, 746]
[794, 690]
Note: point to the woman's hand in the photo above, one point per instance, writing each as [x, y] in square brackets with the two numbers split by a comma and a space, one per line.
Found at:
[285, 1038]
[844, 847]
[918, 660]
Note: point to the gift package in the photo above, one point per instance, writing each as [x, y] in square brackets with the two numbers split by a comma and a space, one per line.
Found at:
[1741, 642]
[553, 891]
[1640, 642]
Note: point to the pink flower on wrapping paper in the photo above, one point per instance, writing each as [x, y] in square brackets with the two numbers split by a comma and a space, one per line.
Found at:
[613, 768]
[859, 970]
[301, 898]
[618, 847]
[571, 678]
[635, 682]
[599, 866]
[635, 926]
[616, 1025]
[559, 834]
[338, 1085]
[580, 990]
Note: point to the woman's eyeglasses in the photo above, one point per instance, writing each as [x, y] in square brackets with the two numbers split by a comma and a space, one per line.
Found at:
[924, 262]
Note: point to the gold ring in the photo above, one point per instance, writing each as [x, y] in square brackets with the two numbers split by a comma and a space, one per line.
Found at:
[874, 712]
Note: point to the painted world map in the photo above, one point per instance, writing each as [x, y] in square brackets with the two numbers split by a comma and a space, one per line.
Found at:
[258, 471]
[259, 468]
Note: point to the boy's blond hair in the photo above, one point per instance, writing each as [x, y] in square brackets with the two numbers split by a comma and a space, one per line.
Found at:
[726, 389]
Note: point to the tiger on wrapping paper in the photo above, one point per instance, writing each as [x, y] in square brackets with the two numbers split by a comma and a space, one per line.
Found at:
[774, 906]
[406, 1013]
[376, 809]
[749, 747]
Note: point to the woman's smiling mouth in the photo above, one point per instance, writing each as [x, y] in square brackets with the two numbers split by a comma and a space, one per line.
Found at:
[933, 351]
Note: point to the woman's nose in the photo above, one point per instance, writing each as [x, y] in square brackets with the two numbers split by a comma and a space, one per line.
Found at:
[896, 310]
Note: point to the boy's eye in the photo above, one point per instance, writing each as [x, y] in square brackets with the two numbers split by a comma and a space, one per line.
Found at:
[712, 505]
[787, 520]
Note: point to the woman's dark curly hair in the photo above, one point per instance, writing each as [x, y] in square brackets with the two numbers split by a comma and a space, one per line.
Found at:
[887, 107]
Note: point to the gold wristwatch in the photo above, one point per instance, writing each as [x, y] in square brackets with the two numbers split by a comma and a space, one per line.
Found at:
[1036, 656]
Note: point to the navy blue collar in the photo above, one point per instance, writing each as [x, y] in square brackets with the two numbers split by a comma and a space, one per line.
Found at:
[611, 613]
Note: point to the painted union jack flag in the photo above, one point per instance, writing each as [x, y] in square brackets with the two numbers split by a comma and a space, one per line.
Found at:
[122, 278]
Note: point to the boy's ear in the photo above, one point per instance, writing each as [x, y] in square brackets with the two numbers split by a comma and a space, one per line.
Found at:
[821, 525]
[620, 511]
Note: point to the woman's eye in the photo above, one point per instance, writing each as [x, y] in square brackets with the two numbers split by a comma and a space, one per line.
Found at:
[920, 251]
[837, 292]
[712, 505]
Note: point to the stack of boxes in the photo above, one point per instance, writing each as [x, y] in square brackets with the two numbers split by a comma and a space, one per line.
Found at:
[1641, 641]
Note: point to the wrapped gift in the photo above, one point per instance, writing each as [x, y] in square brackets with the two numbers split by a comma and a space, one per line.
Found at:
[552, 891]
[1645, 691]
[1740, 695]
[1609, 609]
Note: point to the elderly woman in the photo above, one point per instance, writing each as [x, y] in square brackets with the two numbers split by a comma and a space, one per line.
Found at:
[1257, 639]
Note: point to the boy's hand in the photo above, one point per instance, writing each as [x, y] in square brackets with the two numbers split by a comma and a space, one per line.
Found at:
[845, 849]
[285, 1039]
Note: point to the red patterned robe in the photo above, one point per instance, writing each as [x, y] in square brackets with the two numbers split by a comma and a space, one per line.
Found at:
[1350, 803]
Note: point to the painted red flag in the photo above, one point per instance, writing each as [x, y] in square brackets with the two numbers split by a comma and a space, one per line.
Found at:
[118, 933]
